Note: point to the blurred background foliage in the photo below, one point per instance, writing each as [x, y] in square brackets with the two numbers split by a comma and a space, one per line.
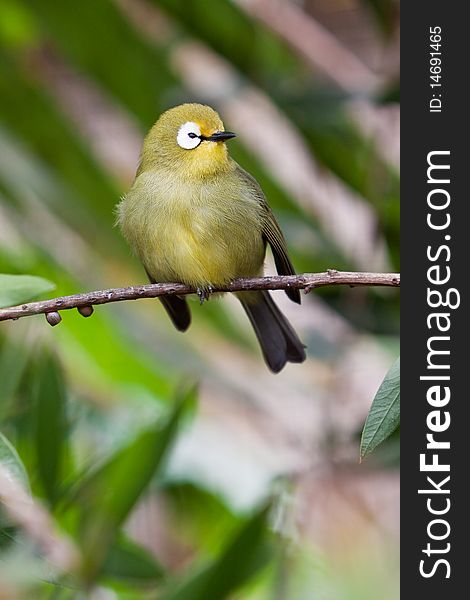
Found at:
[176, 467]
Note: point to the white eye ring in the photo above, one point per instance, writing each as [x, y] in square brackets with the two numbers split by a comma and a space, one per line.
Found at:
[188, 136]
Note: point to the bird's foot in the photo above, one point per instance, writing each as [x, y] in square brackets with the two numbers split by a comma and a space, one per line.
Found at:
[204, 293]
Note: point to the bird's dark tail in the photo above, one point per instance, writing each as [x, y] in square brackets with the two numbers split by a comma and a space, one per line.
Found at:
[279, 342]
[177, 309]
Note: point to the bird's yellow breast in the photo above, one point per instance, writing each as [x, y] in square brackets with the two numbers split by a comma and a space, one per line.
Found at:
[201, 233]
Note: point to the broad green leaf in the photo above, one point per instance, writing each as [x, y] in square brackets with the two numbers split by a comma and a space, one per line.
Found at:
[128, 561]
[111, 491]
[49, 423]
[384, 414]
[243, 557]
[10, 459]
[201, 518]
[16, 289]
[13, 362]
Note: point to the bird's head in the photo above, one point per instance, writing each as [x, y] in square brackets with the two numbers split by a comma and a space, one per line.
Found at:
[189, 139]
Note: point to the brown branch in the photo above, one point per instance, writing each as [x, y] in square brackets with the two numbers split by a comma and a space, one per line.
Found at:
[84, 302]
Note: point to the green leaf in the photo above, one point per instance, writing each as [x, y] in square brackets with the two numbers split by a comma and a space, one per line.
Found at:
[245, 555]
[50, 423]
[130, 562]
[13, 362]
[108, 495]
[16, 289]
[384, 414]
[10, 460]
[199, 517]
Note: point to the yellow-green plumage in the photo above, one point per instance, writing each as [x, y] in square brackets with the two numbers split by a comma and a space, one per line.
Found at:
[184, 232]
[195, 216]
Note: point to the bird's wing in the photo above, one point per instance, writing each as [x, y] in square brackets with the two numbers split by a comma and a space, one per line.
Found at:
[272, 232]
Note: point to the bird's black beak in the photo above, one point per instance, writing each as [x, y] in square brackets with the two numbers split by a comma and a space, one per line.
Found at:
[219, 136]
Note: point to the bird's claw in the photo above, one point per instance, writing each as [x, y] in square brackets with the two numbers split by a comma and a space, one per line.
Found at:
[204, 293]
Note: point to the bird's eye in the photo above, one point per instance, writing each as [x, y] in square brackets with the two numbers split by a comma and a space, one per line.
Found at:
[189, 136]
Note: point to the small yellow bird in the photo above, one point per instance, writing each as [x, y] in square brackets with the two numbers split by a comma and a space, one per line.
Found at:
[194, 216]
